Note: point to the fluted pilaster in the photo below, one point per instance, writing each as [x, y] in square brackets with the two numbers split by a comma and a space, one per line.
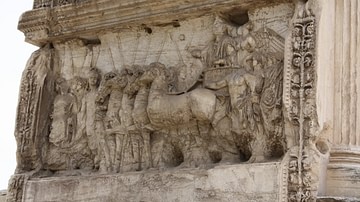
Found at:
[346, 137]
[344, 164]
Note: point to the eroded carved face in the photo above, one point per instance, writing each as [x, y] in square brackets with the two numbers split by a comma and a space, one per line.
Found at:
[78, 85]
[230, 49]
[121, 81]
[93, 81]
[219, 27]
[61, 86]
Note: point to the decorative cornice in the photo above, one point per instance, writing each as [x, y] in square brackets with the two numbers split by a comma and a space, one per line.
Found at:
[90, 17]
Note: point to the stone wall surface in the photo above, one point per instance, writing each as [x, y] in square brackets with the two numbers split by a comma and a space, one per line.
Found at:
[159, 100]
[258, 182]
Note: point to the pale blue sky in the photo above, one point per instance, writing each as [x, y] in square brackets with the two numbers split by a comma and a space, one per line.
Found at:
[14, 55]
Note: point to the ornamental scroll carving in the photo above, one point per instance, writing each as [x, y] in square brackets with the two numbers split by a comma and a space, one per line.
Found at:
[220, 102]
[301, 107]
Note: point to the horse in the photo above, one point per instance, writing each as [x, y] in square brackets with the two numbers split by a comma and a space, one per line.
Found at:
[108, 99]
[117, 94]
[192, 111]
[168, 110]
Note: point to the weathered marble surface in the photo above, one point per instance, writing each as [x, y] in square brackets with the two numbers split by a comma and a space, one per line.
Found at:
[176, 86]
[3, 196]
[61, 22]
[246, 182]
[343, 180]
[201, 91]
[137, 90]
[344, 64]
[337, 199]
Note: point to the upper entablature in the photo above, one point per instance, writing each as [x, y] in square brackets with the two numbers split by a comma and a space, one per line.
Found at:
[54, 3]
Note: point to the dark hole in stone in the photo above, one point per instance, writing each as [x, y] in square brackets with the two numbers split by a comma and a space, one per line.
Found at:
[94, 41]
[236, 16]
[178, 157]
[215, 156]
[176, 23]
[322, 147]
[148, 30]
[51, 46]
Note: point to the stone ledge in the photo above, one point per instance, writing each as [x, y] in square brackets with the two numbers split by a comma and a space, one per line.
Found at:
[336, 199]
[243, 182]
[343, 180]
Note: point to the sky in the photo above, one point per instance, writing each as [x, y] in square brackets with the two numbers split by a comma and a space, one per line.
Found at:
[14, 54]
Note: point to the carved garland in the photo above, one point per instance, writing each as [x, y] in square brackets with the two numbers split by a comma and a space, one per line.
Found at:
[302, 107]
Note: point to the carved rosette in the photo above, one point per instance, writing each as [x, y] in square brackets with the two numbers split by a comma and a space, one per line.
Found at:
[302, 109]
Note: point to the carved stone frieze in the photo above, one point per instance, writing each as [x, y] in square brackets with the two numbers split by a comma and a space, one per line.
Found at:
[198, 100]
[162, 97]
[182, 90]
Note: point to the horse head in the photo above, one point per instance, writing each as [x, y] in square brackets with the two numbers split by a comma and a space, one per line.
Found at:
[155, 70]
[111, 81]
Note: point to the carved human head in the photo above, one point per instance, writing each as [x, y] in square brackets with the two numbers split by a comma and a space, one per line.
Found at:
[78, 85]
[94, 77]
[219, 26]
[249, 44]
[230, 49]
[258, 61]
[245, 29]
[61, 85]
